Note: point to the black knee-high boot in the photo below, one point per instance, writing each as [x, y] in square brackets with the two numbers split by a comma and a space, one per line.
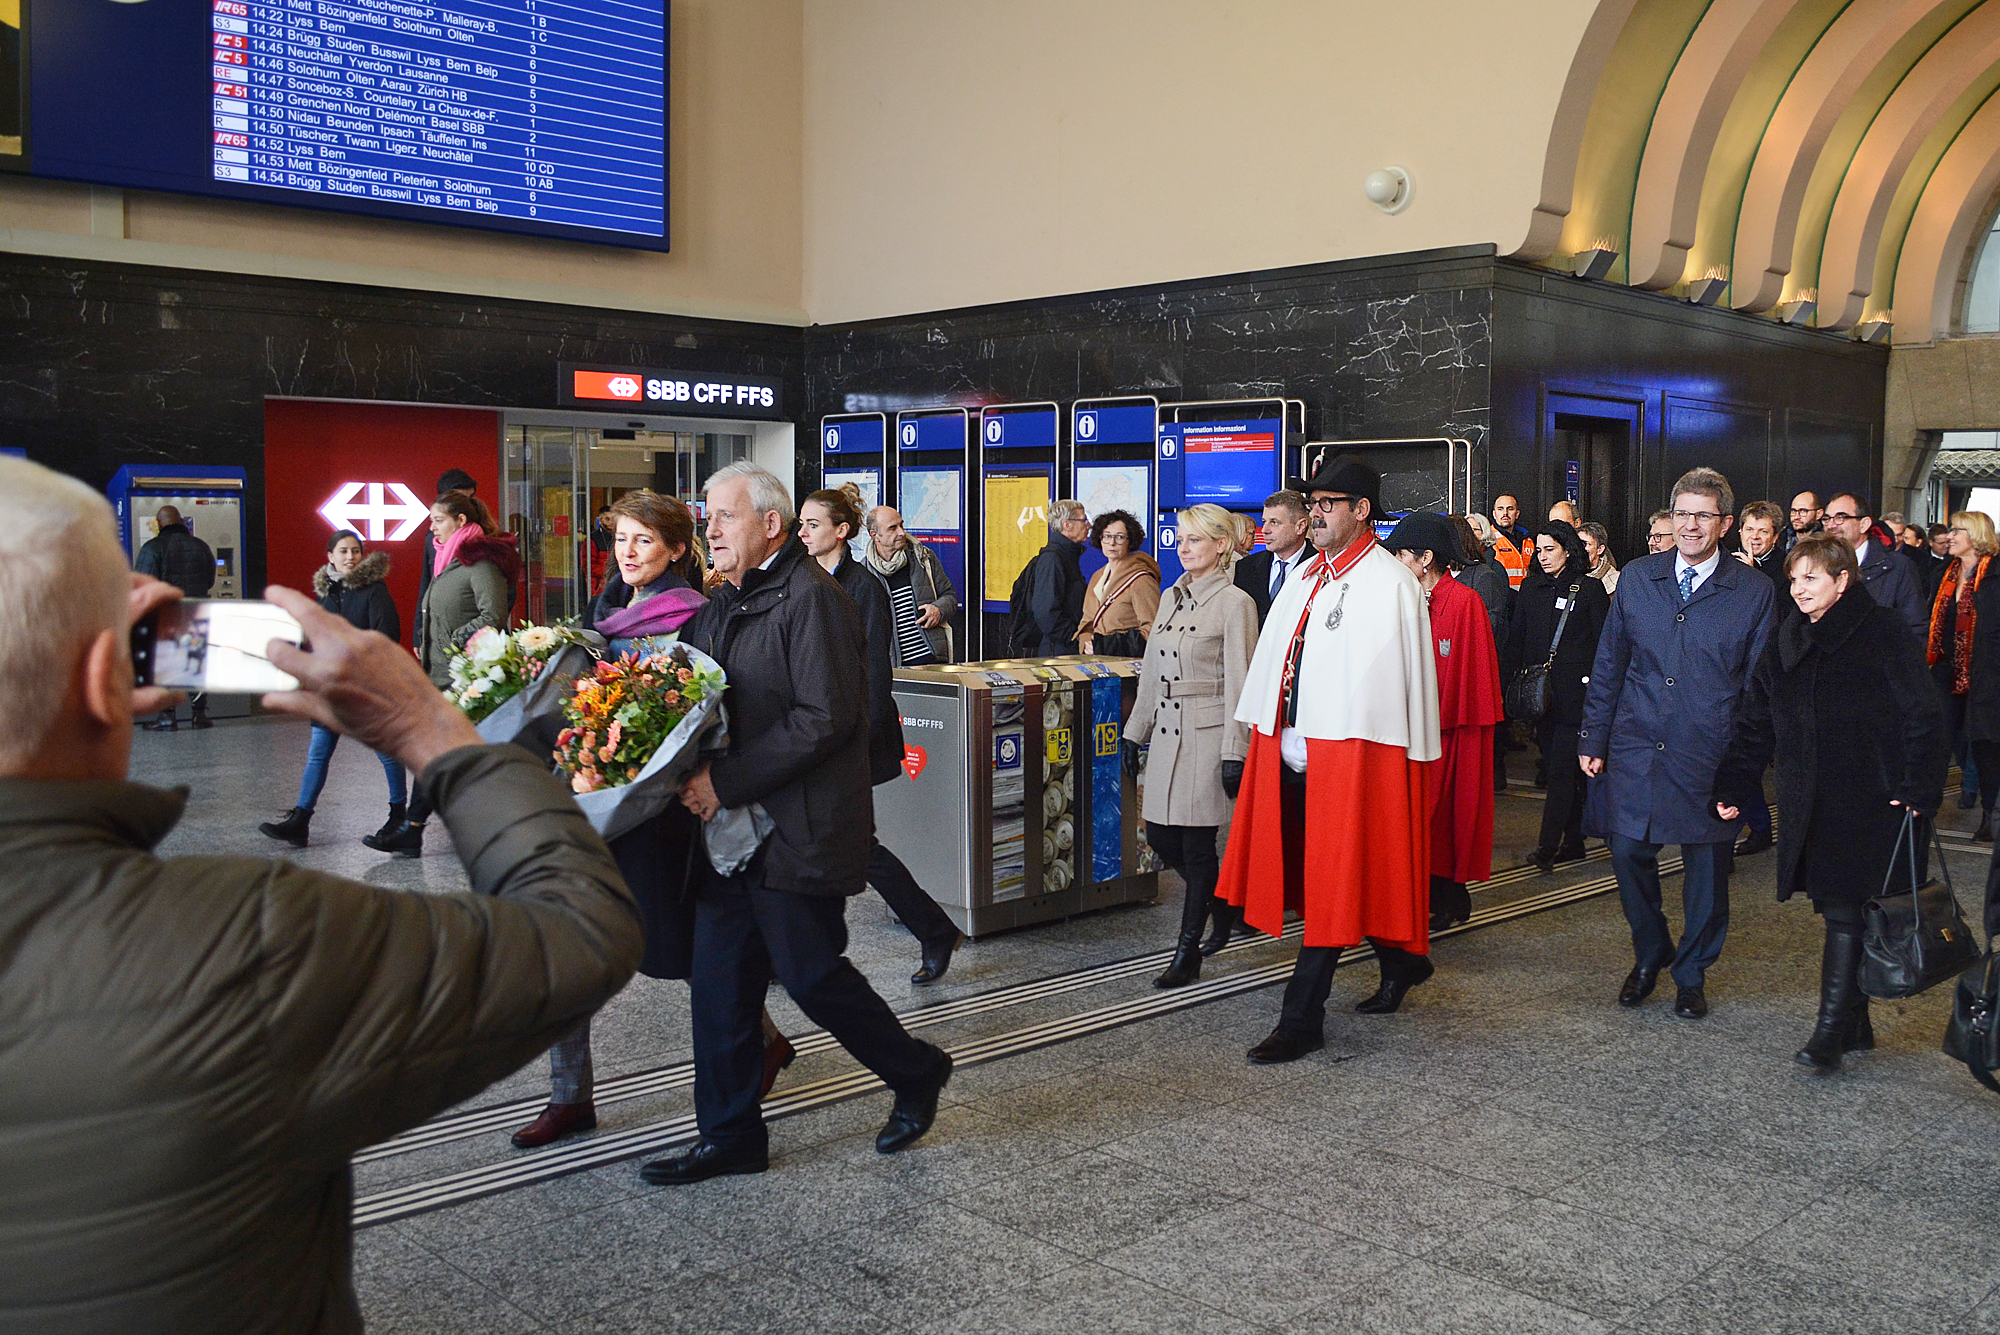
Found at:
[1186, 966]
[1839, 992]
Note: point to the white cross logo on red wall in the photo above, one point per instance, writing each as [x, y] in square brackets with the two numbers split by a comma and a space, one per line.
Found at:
[344, 510]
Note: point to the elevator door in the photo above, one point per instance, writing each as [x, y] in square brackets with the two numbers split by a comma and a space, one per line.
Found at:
[545, 486]
[1594, 462]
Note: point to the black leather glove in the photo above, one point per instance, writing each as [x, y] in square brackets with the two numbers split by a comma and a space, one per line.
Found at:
[1232, 776]
[1131, 760]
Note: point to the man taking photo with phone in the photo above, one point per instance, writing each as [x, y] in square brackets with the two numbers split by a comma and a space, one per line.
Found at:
[195, 1045]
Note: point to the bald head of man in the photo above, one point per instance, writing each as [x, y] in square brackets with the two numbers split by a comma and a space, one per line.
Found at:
[166, 515]
[885, 530]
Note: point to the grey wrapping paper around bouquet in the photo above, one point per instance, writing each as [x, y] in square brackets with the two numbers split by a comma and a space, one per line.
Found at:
[533, 717]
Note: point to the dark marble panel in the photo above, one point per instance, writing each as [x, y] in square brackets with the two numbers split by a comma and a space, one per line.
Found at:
[104, 364]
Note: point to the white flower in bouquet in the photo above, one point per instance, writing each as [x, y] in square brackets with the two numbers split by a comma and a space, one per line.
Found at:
[487, 646]
[536, 639]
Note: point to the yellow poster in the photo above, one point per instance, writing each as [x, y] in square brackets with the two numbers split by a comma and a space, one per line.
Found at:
[1017, 526]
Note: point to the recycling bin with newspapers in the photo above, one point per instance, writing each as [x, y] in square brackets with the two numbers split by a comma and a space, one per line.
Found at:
[1014, 807]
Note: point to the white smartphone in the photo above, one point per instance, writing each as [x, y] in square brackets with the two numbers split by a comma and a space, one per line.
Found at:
[214, 645]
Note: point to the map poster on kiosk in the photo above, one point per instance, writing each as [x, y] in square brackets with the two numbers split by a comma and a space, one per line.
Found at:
[934, 514]
[1016, 525]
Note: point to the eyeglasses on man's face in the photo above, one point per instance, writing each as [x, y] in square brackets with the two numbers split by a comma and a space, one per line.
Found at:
[1842, 517]
[1698, 516]
[1325, 504]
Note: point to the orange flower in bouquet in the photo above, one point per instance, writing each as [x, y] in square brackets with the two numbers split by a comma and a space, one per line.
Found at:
[620, 715]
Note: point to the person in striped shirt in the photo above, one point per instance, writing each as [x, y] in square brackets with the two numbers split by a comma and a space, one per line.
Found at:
[921, 597]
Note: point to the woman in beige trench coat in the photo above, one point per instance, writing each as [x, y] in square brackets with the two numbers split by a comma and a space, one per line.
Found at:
[1196, 658]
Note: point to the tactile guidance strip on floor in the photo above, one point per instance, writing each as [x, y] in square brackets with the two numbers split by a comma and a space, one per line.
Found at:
[655, 1137]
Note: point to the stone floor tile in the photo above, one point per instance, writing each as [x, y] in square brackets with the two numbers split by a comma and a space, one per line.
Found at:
[435, 1298]
[1906, 1243]
[1594, 1263]
[930, 1259]
[964, 1149]
[543, 1204]
[1092, 1107]
[1426, 1299]
[1501, 1147]
[1253, 1262]
[760, 1298]
[1723, 1204]
[1744, 1294]
[1398, 1202]
[1089, 1204]
[1086, 1298]
[800, 1200]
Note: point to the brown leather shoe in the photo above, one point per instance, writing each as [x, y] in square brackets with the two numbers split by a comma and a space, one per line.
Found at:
[557, 1120]
[778, 1054]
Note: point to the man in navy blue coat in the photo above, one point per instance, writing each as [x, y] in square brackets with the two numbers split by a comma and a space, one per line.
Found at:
[1686, 627]
[1890, 579]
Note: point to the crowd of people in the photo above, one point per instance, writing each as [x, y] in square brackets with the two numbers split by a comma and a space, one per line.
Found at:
[1337, 701]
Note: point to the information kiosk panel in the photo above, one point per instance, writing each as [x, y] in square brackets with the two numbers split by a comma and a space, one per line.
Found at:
[1228, 452]
[1021, 456]
[933, 452]
[1113, 441]
[854, 448]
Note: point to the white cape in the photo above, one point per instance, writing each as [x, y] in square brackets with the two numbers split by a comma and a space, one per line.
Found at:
[1372, 678]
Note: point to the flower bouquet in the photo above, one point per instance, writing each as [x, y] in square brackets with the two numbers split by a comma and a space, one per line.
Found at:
[635, 730]
[513, 683]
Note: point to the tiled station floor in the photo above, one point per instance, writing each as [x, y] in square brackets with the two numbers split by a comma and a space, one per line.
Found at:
[1512, 1153]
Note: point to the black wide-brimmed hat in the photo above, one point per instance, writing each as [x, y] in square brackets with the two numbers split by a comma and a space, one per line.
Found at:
[1345, 473]
[1423, 531]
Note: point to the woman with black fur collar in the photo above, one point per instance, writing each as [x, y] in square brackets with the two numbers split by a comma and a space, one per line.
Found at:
[351, 585]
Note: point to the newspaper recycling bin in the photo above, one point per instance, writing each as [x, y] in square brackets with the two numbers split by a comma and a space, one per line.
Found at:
[1014, 807]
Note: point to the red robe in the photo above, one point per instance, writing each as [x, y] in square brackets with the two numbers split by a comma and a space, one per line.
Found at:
[1468, 677]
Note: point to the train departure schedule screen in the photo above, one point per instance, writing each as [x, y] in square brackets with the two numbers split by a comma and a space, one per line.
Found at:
[537, 111]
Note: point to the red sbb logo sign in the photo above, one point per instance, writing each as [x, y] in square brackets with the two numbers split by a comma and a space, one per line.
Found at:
[624, 387]
[914, 760]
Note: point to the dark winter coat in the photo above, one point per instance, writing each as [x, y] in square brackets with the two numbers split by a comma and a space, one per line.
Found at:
[1892, 582]
[792, 645]
[1489, 580]
[179, 558]
[1845, 707]
[475, 591]
[1663, 690]
[1772, 565]
[878, 628]
[360, 595]
[1055, 596]
[1533, 626]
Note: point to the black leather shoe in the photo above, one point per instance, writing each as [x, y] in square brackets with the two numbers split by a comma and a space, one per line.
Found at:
[406, 840]
[1754, 842]
[202, 721]
[1224, 921]
[1185, 967]
[1571, 853]
[913, 1113]
[1443, 920]
[1285, 1046]
[1984, 834]
[937, 958]
[398, 813]
[1390, 995]
[1690, 1004]
[703, 1162]
[1543, 860]
[1639, 984]
[1860, 1032]
[293, 827]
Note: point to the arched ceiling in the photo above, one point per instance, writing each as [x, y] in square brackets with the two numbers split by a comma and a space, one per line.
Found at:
[1847, 147]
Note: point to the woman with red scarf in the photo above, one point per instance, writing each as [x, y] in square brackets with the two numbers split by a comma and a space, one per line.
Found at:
[1964, 655]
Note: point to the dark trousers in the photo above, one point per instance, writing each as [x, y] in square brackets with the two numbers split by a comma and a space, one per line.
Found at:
[1562, 814]
[1190, 851]
[1985, 755]
[906, 899]
[1304, 1009]
[1704, 899]
[743, 935]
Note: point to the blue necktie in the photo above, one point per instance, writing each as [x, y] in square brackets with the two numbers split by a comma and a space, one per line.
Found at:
[1687, 583]
[1277, 576]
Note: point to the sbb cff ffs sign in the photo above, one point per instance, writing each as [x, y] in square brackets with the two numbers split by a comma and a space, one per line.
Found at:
[702, 394]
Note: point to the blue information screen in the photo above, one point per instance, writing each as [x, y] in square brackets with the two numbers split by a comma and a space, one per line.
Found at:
[1231, 464]
[1029, 429]
[863, 437]
[1116, 426]
[523, 115]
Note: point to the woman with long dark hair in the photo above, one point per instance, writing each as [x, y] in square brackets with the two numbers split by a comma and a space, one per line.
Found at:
[350, 584]
[1559, 596]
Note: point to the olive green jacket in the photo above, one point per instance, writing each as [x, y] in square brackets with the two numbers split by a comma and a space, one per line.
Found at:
[191, 1047]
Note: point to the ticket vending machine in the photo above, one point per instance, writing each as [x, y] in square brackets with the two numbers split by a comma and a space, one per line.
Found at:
[210, 501]
[1227, 452]
[933, 457]
[854, 447]
[1111, 450]
[1022, 466]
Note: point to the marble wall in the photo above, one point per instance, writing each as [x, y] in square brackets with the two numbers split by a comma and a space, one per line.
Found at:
[103, 365]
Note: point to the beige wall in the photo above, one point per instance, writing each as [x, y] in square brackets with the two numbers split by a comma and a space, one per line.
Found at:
[964, 151]
[1950, 385]
[736, 220]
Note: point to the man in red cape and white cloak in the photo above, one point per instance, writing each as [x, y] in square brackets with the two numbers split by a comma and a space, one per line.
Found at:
[1333, 817]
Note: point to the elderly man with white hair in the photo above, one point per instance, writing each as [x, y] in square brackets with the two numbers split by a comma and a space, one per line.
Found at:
[195, 1045]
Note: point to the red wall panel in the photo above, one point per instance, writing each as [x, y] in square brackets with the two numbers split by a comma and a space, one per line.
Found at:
[312, 450]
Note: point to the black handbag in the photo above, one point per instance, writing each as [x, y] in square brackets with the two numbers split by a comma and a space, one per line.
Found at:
[1531, 694]
[1914, 941]
[1972, 1035]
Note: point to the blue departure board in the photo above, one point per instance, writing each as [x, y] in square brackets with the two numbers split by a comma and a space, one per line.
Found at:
[545, 116]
